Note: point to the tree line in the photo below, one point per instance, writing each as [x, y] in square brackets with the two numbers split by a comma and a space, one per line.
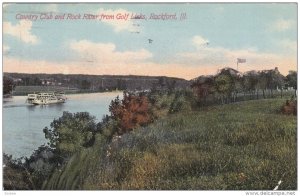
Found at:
[97, 83]
[229, 85]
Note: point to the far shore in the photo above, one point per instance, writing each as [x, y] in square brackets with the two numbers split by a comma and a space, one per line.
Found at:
[25, 90]
[69, 93]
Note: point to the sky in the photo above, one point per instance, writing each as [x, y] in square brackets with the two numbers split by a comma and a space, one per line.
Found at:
[202, 38]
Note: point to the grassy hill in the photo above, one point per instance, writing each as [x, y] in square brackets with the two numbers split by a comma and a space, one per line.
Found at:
[241, 146]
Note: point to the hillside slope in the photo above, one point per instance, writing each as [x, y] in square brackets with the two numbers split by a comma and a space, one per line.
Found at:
[242, 146]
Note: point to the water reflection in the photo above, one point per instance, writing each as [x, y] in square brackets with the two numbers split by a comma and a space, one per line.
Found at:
[31, 107]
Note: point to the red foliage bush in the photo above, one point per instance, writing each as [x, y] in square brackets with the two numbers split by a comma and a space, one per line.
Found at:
[131, 112]
[290, 107]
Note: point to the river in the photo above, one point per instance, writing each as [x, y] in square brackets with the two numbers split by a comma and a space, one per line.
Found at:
[22, 124]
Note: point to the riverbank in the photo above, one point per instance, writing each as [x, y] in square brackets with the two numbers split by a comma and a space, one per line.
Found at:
[25, 90]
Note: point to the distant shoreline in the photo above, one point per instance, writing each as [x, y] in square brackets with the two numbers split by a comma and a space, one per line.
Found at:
[67, 93]
[31, 83]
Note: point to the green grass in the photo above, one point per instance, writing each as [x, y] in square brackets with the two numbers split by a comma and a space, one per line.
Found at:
[241, 146]
[25, 90]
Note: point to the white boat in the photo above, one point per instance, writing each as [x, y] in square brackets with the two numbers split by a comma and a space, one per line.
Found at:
[46, 98]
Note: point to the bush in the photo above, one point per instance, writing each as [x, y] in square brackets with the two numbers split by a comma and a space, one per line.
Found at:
[183, 101]
[41, 164]
[290, 107]
[131, 112]
[81, 171]
[15, 176]
[71, 132]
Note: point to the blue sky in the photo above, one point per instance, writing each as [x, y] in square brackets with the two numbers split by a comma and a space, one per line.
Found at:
[264, 34]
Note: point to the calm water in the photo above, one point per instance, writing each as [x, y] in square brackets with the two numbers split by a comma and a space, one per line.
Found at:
[23, 123]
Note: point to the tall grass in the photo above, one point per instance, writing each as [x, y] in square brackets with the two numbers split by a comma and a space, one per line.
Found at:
[241, 146]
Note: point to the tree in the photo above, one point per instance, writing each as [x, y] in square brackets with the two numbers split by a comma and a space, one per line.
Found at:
[121, 84]
[181, 102]
[15, 175]
[262, 82]
[203, 87]
[41, 164]
[71, 132]
[162, 81]
[132, 111]
[279, 82]
[8, 85]
[37, 81]
[171, 84]
[26, 81]
[292, 80]
[223, 86]
[85, 84]
[274, 80]
[233, 81]
[250, 82]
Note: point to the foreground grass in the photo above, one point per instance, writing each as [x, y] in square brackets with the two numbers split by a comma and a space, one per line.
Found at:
[242, 146]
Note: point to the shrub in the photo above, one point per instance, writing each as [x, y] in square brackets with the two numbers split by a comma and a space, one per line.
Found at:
[15, 176]
[131, 112]
[290, 107]
[71, 132]
[80, 172]
[181, 102]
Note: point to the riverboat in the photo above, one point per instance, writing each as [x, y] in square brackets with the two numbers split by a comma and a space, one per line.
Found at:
[46, 98]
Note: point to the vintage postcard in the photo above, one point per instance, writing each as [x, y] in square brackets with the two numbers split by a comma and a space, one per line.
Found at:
[150, 96]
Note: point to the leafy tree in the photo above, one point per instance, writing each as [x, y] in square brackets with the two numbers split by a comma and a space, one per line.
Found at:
[251, 83]
[85, 84]
[162, 81]
[274, 80]
[71, 132]
[262, 82]
[224, 86]
[181, 102]
[26, 81]
[15, 175]
[292, 80]
[203, 87]
[279, 81]
[8, 85]
[171, 84]
[228, 83]
[36, 81]
[41, 164]
[238, 87]
[121, 84]
[132, 111]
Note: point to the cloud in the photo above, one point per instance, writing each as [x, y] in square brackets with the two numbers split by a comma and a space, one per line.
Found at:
[106, 54]
[118, 25]
[173, 69]
[144, 68]
[212, 58]
[22, 31]
[199, 41]
[283, 24]
[36, 66]
[104, 58]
